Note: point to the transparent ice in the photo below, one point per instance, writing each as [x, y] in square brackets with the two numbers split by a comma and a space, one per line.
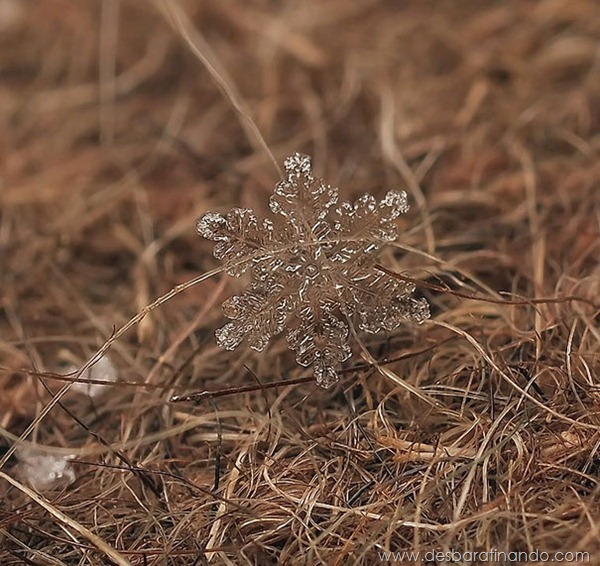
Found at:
[312, 270]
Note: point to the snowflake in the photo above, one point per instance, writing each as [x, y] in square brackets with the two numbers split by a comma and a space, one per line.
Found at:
[313, 270]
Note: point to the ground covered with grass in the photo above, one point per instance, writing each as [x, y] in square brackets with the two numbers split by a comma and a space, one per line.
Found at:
[123, 121]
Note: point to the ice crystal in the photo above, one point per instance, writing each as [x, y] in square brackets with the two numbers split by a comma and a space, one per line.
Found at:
[312, 270]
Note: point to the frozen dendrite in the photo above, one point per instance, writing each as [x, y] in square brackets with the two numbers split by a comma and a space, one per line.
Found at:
[313, 270]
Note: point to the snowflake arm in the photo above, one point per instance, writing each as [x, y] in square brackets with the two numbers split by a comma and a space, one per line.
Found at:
[303, 200]
[259, 314]
[240, 237]
[384, 303]
[320, 340]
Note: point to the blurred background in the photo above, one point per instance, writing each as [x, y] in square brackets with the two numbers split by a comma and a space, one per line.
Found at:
[122, 121]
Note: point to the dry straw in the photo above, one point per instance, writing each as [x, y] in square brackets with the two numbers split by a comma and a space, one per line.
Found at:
[476, 430]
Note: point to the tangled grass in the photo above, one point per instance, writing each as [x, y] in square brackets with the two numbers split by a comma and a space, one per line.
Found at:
[123, 121]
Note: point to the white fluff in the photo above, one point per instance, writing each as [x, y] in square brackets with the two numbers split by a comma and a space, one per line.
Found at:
[43, 471]
[103, 370]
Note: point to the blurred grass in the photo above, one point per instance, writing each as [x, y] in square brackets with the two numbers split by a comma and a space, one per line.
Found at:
[114, 137]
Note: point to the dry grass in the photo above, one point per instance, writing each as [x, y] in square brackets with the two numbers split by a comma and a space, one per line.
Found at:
[113, 142]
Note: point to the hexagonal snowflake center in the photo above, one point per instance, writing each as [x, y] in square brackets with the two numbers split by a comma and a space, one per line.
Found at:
[304, 265]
